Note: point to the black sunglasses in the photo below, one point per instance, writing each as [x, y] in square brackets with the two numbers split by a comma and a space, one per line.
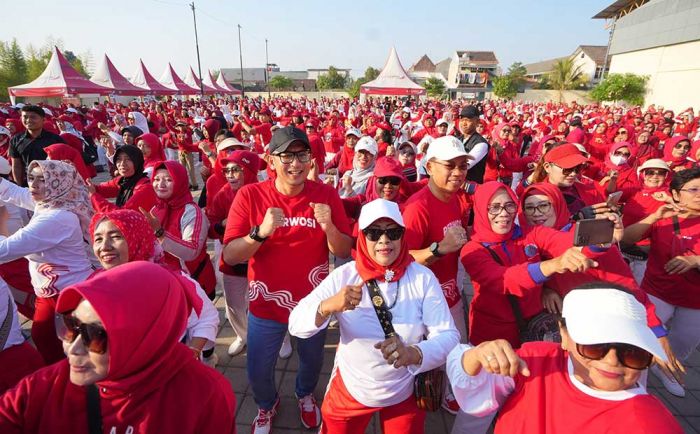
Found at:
[629, 356]
[94, 336]
[374, 234]
[393, 180]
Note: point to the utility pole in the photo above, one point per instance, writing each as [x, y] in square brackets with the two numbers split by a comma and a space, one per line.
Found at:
[196, 43]
[267, 71]
[240, 52]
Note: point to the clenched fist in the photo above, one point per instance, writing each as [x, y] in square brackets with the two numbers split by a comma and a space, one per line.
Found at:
[322, 214]
[274, 218]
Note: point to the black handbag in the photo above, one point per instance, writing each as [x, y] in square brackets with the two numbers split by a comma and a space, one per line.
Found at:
[89, 153]
[94, 412]
[428, 387]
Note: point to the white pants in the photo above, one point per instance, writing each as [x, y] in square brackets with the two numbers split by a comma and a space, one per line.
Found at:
[638, 269]
[236, 298]
[468, 424]
[683, 326]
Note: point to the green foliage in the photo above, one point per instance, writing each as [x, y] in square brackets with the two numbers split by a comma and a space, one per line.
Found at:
[36, 62]
[371, 73]
[434, 87]
[76, 63]
[353, 86]
[517, 72]
[543, 83]
[628, 87]
[504, 87]
[280, 82]
[567, 76]
[13, 66]
[332, 80]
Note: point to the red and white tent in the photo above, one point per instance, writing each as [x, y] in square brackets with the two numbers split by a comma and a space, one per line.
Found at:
[192, 80]
[393, 80]
[59, 79]
[222, 84]
[208, 80]
[144, 79]
[107, 75]
[171, 80]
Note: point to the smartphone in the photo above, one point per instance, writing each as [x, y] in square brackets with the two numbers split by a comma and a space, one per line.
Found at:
[614, 198]
[589, 232]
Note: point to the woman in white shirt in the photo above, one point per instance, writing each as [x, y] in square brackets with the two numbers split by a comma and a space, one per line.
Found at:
[374, 374]
[54, 241]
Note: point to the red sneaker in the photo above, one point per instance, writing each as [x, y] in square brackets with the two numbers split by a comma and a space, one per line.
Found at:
[309, 412]
[262, 424]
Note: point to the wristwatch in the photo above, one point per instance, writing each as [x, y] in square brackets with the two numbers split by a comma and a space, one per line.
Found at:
[159, 233]
[254, 234]
[434, 250]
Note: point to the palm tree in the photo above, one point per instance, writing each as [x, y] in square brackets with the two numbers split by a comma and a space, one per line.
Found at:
[565, 76]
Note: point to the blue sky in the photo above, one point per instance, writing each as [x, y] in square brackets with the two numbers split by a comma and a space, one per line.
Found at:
[304, 34]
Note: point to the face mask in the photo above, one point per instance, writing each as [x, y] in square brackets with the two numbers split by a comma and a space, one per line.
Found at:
[618, 160]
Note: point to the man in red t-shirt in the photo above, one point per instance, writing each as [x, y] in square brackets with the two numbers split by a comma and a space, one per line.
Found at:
[435, 225]
[285, 227]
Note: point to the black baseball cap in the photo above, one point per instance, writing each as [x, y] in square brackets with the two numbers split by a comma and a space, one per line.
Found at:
[282, 138]
[470, 112]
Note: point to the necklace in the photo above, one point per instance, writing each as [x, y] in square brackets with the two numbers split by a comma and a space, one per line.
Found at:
[395, 298]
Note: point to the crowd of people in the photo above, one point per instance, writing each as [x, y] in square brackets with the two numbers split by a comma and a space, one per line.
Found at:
[368, 215]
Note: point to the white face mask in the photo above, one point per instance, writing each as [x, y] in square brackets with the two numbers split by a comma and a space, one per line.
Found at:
[618, 160]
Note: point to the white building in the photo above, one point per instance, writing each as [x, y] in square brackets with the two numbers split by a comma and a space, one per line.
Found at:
[661, 39]
[590, 59]
[470, 73]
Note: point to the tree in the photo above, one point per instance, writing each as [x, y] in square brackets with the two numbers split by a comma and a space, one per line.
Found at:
[434, 87]
[332, 80]
[36, 62]
[353, 86]
[76, 63]
[371, 73]
[543, 83]
[504, 87]
[517, 72]
[628, 87]
[566, 75]
[13, 66]
[280, 82]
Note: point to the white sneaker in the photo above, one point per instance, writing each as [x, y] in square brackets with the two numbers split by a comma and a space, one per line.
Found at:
[262, 424]
[673, 387]
[286, 350]
[211, 361]
[236, 347]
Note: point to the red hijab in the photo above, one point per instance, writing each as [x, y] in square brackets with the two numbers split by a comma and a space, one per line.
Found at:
[613, 148]
[368, 269]
[554, 195]
[157, 153]
[63, 152]
[135, 229]
[482, 225]
[668, 152]
[385, 166]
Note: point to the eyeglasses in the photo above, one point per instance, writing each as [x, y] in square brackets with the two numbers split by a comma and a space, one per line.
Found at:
[542, 208]
[578, 169]
[682, 146]
[393, 180]
[374, 234]
[496, 208]
[652, 172]
[288, 157]
[407, 151]
[620, 132]
[233, 170]
[94, 336]
[622, 154]
[452, 166]
[629, 356]
[693, 191]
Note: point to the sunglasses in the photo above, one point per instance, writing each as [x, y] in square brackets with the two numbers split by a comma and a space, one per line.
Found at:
[621, 132]
[393, 180]
[233, 170]
[651, 172]
[578, 169]
[629, 356]
[681, 146]
[407, 151]
[94, 336]
[374, 234]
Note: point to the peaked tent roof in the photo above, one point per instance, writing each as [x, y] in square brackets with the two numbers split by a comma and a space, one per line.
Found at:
[173, 81]
[58, 79]
[209, 81]
[221, 82]
[393, 80]
[144, 79]
[107, 75]
[192, 80]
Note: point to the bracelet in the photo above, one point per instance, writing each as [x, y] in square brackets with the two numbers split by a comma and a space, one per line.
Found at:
[320, 311]
[159, 233]
[420, 354]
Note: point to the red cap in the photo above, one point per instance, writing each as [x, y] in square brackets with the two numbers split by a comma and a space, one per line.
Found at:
[388, 167]
[565, 156]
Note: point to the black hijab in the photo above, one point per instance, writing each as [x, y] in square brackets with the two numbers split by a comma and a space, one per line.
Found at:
[127, 184]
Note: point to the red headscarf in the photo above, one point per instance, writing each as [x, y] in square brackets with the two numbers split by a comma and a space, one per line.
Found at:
[63, 152]
[668, 152]
[368, 269]
[157, 153]
[144, 327]
[135, 229]
[694, 151]
[482, 225]
[385, 167]
[554, 195]
[613, 148]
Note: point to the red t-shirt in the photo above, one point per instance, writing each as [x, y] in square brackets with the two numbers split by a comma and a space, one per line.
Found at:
[676, 289]
[427, 218]
[294, 260]
[547, 402]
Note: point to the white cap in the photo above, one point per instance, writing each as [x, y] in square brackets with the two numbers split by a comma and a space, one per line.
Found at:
[5, 131]
[605, 315]
[5, 168]
[228, 143]
[441, 121]
[71, 110]
[47, 111]
[446, 148]
[406, 110]
[368, 144]
[653, 163]
[352, 131]
[19, 105]
[236, 112]
[377, 209]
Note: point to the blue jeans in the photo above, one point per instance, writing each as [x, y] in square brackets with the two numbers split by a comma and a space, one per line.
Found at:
[264, 342]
